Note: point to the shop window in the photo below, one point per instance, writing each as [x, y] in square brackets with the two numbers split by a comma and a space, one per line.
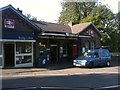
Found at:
[63, 51]
[23, 48]
[23, 53]
[23, 59]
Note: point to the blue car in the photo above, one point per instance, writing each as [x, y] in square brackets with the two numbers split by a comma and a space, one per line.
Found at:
[96, 57]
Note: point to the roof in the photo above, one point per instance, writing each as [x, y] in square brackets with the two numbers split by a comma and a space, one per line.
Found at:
[20, 14]
[78, 28]
[53, 27]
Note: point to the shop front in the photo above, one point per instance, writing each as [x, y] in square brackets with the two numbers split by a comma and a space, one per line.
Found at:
[17, 37]
[58, 48]
[16, 53]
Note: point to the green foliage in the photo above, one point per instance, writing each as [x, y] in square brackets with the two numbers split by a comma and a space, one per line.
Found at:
[75, 11]
[118, 20]
[104, 19]
[29, 16]
[107, 23]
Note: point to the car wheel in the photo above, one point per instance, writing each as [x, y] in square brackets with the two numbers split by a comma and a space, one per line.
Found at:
[108, 64]
[91, 64]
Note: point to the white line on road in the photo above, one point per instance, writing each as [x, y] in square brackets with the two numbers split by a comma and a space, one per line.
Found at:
[115, 86]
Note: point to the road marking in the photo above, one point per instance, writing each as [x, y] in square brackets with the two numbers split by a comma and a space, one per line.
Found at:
[65, 88]
[115, 86]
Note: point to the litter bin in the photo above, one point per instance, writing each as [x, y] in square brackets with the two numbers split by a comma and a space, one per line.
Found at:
[42, 61]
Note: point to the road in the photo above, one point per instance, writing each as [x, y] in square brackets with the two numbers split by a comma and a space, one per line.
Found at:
[65, 77]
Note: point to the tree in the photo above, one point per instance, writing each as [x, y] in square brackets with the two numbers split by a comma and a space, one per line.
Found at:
[75, 11]
[118, 20]
[117, 31]
[108, 24]
[102, 17]
[29, 16]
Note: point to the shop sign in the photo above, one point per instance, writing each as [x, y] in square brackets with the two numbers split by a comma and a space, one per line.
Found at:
[9, 23]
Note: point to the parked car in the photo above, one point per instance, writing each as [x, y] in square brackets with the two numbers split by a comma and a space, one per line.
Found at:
[96, 57]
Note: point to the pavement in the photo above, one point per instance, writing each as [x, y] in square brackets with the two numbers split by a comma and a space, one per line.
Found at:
[57, 69]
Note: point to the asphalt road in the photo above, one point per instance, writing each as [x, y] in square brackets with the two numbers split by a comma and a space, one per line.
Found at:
[64, 77]
[84, 80]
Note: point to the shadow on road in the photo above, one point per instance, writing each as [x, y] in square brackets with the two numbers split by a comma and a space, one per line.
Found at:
[71, 81]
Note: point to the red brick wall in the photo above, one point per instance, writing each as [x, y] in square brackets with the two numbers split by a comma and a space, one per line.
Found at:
[96, 37]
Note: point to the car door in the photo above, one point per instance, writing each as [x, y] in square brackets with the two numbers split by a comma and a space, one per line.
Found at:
[103, 57]
[96, 59]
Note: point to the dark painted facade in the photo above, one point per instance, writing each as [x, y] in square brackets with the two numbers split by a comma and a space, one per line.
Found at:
[17, 37]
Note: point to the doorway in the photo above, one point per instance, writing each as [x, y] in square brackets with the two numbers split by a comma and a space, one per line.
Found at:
[9, 55]
[54, 54]
[73, 51]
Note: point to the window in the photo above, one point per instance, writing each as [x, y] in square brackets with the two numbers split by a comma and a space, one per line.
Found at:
[93, 44]
[87, 46]
[23, 59]
[22, 48]
[63, 51]
[96, 55]
[23, 53]
[104, 53]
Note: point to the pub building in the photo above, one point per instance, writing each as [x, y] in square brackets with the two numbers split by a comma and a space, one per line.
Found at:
[23, 42]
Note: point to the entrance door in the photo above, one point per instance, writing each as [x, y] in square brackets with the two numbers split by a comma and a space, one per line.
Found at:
[54, 53]
[9, 55]
[73, 51]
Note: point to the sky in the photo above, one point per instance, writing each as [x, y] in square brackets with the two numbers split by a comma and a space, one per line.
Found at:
[47, 10]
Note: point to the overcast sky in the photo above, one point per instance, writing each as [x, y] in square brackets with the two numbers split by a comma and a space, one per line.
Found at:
[47, 10]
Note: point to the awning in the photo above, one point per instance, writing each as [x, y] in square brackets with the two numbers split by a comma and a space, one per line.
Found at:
[15, 40]
[64, 35]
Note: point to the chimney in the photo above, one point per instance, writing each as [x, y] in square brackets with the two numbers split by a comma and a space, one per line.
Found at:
[19, 10]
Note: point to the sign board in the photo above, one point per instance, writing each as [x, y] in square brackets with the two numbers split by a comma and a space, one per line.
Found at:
[9, 23]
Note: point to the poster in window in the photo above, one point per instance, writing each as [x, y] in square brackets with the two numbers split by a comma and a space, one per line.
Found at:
[9, 23]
